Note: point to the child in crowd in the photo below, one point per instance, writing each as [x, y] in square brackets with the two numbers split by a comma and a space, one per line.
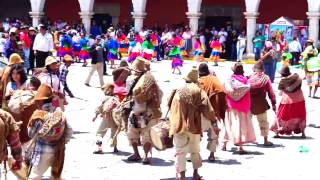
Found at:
[216, 50]
[109, 102]
[67, 59]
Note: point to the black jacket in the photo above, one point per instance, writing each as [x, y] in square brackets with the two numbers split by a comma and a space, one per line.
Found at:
[94, 54]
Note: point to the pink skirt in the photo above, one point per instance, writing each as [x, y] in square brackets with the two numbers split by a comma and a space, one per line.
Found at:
[238, 127]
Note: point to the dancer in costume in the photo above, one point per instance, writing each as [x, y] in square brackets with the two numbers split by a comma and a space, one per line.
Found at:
[198, 50]
[122, 41]
[84, 52]
[156, 40]
[216, 50]
[65, 45]
[312, 69]
[113, 46]
[147, 48]
[134, 49]
[175, 54]
[76, 46]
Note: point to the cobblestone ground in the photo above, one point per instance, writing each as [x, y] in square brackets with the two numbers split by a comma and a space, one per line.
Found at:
[282, 161]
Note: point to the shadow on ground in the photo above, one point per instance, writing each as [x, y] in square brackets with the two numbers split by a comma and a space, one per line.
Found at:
[224, 162]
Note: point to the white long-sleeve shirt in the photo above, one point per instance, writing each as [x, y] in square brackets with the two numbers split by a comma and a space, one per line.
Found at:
[43, 42]
[295, 46]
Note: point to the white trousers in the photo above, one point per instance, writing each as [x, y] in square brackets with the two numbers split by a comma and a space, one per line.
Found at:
[99, 68]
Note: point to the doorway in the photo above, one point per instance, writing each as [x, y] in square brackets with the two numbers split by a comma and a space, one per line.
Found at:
[217, 21]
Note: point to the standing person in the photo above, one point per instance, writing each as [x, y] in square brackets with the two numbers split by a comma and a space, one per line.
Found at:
[5, 77]
[11, 45]
[9, 133]
[260, 86]
[67, 60]
[112, 46]
[188, 103]
[199, 50]
[18, 80]
[241, 45]
[268, 59]
[50, 77]
[175, 54]
[97, 54]
[238, 124]
[207, 35]
[51, 131]
[65, 46]
[216, 47]
[233, 45]
[295, 49]
[26, 45]
[3, 41]
[32, 35]
[223, 37]
[147, 48]
[84, 52]
[43, 45]
[291, 114]
[120, 76]
[109, 102]
[146, 96]
[214, 89]
[312, 72]
[187, 36]
[258, 42]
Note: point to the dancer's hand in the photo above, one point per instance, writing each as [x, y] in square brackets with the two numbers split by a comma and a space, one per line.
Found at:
[16, 165]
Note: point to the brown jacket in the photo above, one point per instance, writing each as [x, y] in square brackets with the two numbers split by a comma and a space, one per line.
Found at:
[212, 86]
[187, 105]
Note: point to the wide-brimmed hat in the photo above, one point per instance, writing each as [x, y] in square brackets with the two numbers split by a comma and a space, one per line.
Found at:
[310, 41]
[203, 69]
[15, 59]
[285, 71]
[238, 68]
[139, 65]
[147, 65]
[51, 60]
[123, 63]
[192, 75]
[32, 29]
[108, 89]
[44, 92]
[258, 66]
[67, 58]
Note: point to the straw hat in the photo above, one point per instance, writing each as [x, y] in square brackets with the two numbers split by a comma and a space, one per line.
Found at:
[285, 71]
[192, 75]
[139, 65]
[15, 59]
[50, 60]
[67, 58]
[44, 92]
[147, 65]
[108, 88]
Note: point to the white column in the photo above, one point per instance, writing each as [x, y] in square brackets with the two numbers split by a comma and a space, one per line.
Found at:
[314, 26]
[251, 31]
[139, 13]
[193, 21]
[86, 7]
[36, 17]
[86, 20]
[138, 20]
[36, 12]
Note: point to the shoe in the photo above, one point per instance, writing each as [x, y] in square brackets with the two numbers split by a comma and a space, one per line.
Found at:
[87, 84]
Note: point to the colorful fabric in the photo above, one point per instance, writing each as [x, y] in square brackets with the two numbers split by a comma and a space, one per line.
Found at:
[112, 55]
[238, 96]
[177, 61]
[63, 74]
[291, 118]
[133, 56]
[313, 78]
[174, 51]
[258, 80]
[83, 54]
[313, 64]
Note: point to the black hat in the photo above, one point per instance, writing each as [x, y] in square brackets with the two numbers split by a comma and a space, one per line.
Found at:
[238, 69]
[203, 69]
[285, 71]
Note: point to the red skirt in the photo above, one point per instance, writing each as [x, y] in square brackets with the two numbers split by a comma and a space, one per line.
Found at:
[291, 118]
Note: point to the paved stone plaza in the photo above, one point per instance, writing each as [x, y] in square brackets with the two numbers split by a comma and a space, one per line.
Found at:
[280, 162]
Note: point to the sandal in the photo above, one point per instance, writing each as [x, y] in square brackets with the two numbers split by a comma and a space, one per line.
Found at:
[211, 159]
[134, 158]
[196, 177]
[98, 152]
[268, 144]
[146, 161]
